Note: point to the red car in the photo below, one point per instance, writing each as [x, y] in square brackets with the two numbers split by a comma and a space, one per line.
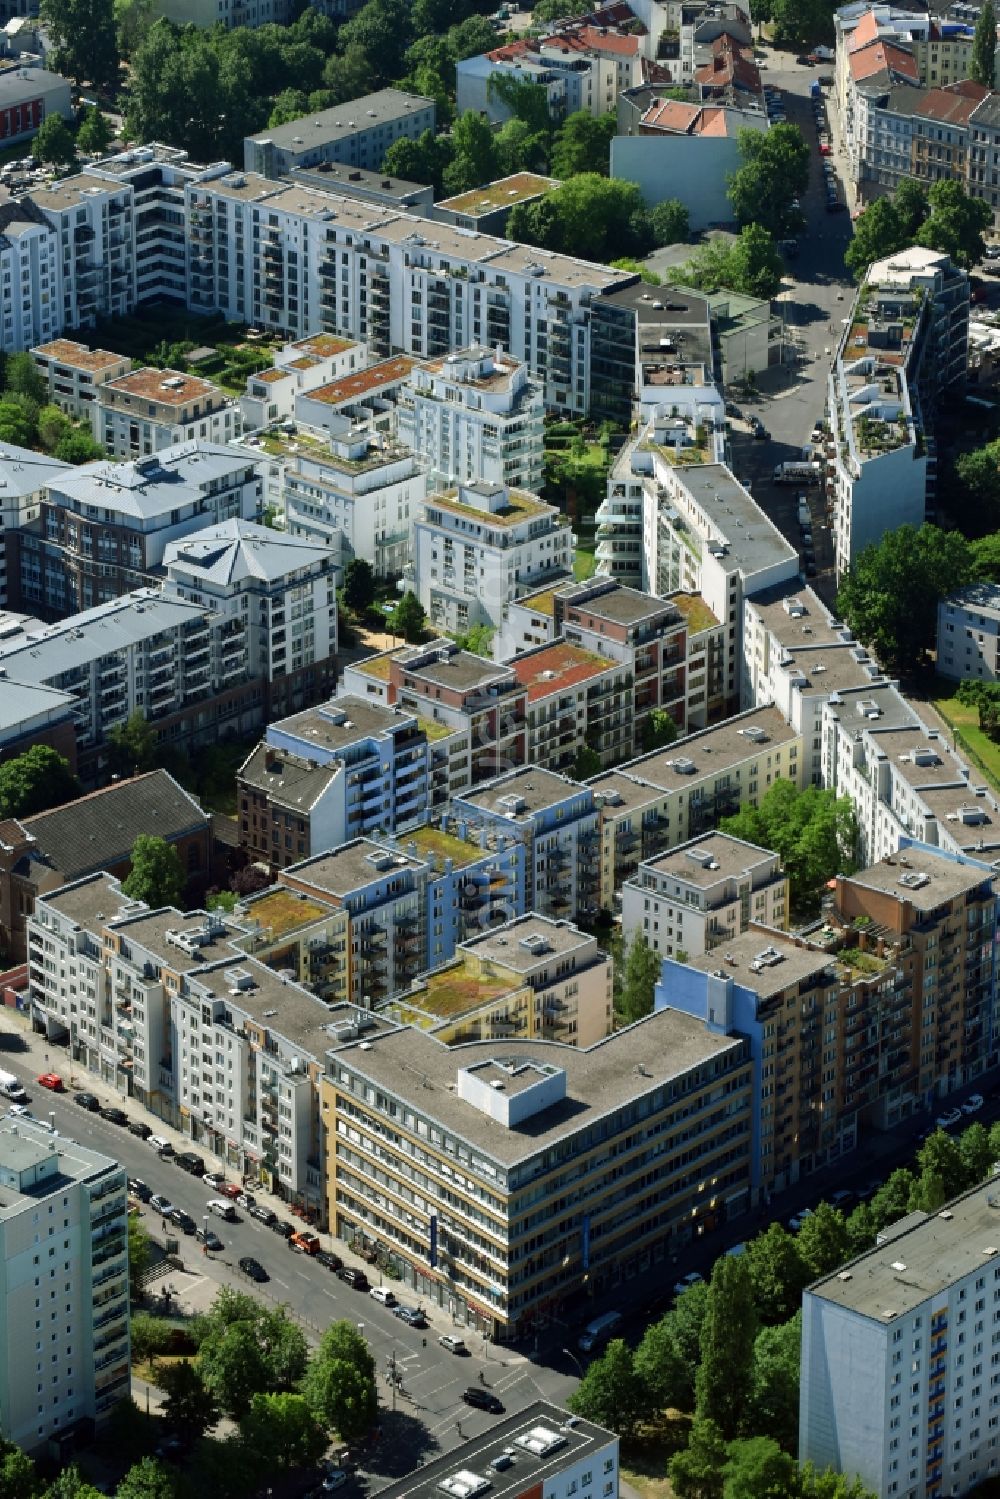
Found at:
[824, 149]
[230, 1189]
[52, 1080]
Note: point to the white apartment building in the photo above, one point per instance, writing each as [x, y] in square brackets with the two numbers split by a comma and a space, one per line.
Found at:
[64, 1352]
[24, 477]
[702, 894]
[356, 133]
[228, 13]
[147, 410]
[74, 373]
[354, 493]
[94, 221]
[968, 633]
[30, 308]
[475, 415]
[580, 67]
[276, 595]
[897, 1352]
[906, 340]
[478, 547]
[300, 366]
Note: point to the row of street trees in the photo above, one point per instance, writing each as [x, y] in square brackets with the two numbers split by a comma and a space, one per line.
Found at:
[943, 217]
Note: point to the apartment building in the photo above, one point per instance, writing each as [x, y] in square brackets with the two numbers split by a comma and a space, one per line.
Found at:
[655, 355]
[472, 710]
[691, 146]
[29, 272]
[299, 367]
[532, 978]
[671, 796]
[24, 477]
[474, 415]
[92, 217]
[556, 820]
[30, 715]
[353, 493]
[335, 772]
[885, 1342]
[94, 833]
[580, 67]
[905, 343]
[376, 188]
[647, 635]
[700, 895]
[968, 631]
[150, 409]
[492, 1135]
[547, 1446]
[207, 1038]
[478, 547]
[104, 527]
[64, 1359]
[575, 698]
[27, 97]
[228, 13]
[146, 653]
[74, 373]
[357, 133]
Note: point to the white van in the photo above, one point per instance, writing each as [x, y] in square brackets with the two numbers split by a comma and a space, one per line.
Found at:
[12, 1088]
[598, 1332]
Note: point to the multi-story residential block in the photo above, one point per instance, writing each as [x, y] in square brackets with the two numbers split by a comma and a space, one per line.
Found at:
[472, 710]
[300, 366]
[29, 268]
[906, 342]
[647, 635]
[277, 597]
[64, 1359]
[666, 798]
[352, 493]
[24, 478]
[575, 699]
[556, 820]
[94, 220]
[545, 1445]
[365, 399]
[104, 527]
[486, 209]
[147, 410]
[580, 67]
[369, 187]
[342, 770]
[94, 833]
[357, 133]
[74, 373]
[886, 1340]
[30, 714]
[482, 545]
[701, 894]
[476, 415]
[521, 1147]
[968, 632]
[27, 97]
[655, 356]
[533, 977]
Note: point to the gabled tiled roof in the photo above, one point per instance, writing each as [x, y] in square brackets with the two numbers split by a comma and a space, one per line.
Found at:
[98, 830]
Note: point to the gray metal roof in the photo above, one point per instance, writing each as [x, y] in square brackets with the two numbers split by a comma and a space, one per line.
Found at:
[343, 121]
[238, 549]
[42, 655]
[149, 487]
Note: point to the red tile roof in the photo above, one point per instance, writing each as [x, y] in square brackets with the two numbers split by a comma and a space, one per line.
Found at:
[609, 41]
[878, 56]
[953, 105]
[864, 32]
[676, 118]
[559, 666]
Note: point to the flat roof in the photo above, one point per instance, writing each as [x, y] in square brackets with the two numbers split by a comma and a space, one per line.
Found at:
[946, 876]
[168, 387]
[436, 844]
[520, 506]
[337, 176]
[625, 792]
[735, 957]
[804, 622]
[352, 866]
[460, 670]
[149, 930]
[537, 787]
[935, 765]
[536, 1459]
[982, 598]
[754, 541]
[521, 187]
[892, 710]
[79, 356]
[415, 1066]
[729, 856]
[88, 902]
[832, 668]
[363, 382]
[505, 944]
[359, 719]
[279, 910]
[455, 988]
[343, 120]
[278, 1005]
[25, 1143]
[623, 606]
[554, 668]
[920, 1263]
[697, 613]
[715, 749]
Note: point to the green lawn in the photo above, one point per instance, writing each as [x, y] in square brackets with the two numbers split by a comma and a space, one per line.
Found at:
[584, 561]
[965, 721]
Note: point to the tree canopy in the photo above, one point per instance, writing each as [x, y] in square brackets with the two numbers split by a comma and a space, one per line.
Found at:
[54, 142]
[247, 1349]
[749, 265]
[891, 593]
[409, 618]
[636, 979]
[157, 875]
[35, 781]
[814, 830]
[86, 43]
[339, 1385]
[956, 223]
[983, 66]
[773, 175]
[591, 216]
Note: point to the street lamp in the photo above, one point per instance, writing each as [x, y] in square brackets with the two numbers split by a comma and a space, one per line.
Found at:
[569, 1354]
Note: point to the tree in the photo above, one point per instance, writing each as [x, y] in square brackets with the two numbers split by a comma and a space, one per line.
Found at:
[727, 1344]
[878, 232]
[640, 975]
[348, 75]
[523, 100]
[750, 266]
[910, 201]
[86, 44]
[756, 1468]
[157, 874]
[927, 1194]
[53, 425]
[556, 10]
[21, 378]
[247, 1349]
[696, 1472]
[890, 1201]
[586, 763]
[777, 1273]
[611, 1392]
[69, 1483]
[774, 1395]
[658, 730]
[132, 745]
[409, 618]
[289, 105]
[78, 447]
[983, 66]
[35, 781]
[339, 1385]
[978, 484]
[891, 593]
[147, 1479]
[133, 19]
[801, 23]
[665, 1373]
[591, 216]
[474, 161]
[583, 144]
[671, 222]
[942, 1155]
[359, 585]
[956, 223]
[519, 150]
[54, 142]
[977, 1153]
[424, 160]
[18, 1478]
[774, 173]
[190, 1409]
[138, 1256]
[478, 640]
[470, 37]
[382, 29]
[280, 1431]
[814, 831]
[861, 1228]
[822, 1241]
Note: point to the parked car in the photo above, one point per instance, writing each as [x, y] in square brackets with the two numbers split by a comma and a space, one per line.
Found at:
[139, 1189]
[280, 1227]
[356, 1279]
[254, 1269]
[191, 1163]
[114, 1115]
[161, 1204]
[231, 1189]
[215, 1180]
[53, 1081]
[973, 1103]
[842, 1200]
[333, 1479]
[502, 1461]
[210, 1240]
[328, 1260]
[382, 1295]
[693, 1278]
[222, 1209]
[160, 1144]
[483, 1400]
[246, 1200]
[87, 1101]
[304, 1242]
[263, 1214]
[796, 1221]
[452, 1343]
[949, 1119]
[140, 1128]
[411, 1315]
[183, 1220]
